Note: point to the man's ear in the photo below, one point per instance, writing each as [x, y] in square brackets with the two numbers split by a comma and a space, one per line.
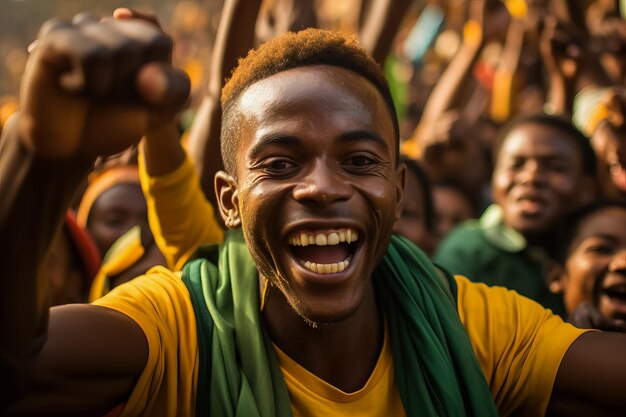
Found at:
[556, 278]
[228, 199]
[400, 181]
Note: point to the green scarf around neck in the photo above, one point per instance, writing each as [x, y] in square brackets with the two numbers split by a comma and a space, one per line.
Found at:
[436, 370]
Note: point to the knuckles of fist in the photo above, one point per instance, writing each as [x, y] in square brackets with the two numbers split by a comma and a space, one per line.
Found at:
[101, 59]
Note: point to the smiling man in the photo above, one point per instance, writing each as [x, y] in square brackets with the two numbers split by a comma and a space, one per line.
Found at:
[592, 273]
[544, 169]
[311, 306]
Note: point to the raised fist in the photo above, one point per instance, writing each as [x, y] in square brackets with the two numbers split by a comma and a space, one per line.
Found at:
[94, 87]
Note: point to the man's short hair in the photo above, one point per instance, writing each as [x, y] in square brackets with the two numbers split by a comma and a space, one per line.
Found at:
[292, 50]
[560, 123]
[567, 229]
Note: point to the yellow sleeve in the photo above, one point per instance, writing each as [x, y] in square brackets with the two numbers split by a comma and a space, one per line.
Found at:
[180, 217]
[159, 303]
[519, 345]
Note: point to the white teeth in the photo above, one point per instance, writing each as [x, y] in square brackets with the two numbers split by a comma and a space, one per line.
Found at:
[324, 239]
[326, 268]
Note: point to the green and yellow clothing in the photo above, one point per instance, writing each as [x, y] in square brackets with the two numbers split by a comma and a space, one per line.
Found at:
[487, 250]
[180, 217]
[125, 252]
[518, 346]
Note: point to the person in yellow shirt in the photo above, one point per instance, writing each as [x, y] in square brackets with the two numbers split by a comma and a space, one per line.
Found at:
[310, 306]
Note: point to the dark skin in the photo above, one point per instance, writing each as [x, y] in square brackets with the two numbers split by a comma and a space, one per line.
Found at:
[92, 373]
[538, 178]
[594, 271]
[66, 278]
[74, 108]
[412, 223]
[114, 212]
[317, 159]
[235, 36]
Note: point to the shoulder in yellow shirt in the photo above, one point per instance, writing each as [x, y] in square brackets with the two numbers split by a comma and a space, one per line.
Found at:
[518, 343]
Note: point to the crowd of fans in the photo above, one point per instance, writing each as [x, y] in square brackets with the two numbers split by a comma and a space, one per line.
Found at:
[464, 76]
[512, 120]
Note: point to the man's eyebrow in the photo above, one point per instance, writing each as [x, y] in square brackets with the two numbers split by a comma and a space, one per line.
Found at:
[273, 139]
[602, 235]
[283, 139]
[364, 135]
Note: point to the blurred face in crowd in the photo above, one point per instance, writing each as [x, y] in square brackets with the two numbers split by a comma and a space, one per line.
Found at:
[610, 146]
[412, 223]
[538, 177]
[318, 187]
[595, 267]
[114, 212]
[451, 208]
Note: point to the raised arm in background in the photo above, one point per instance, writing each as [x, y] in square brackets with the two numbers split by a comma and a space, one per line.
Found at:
[380, 23]
[235, 36]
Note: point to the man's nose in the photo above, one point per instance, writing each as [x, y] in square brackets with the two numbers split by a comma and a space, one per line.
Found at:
[618, 262]
[322, 185]
[531, 173]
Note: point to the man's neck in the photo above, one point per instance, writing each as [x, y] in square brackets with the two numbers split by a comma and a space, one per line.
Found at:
[343, 353]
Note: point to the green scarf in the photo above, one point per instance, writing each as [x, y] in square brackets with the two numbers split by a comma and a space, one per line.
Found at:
[436, 370]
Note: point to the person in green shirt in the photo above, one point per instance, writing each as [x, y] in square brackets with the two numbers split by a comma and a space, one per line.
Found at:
[544, 169]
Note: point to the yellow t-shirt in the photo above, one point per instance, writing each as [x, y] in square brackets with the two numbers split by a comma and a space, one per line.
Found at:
[180, 217]
[518, 343]
[313, 397]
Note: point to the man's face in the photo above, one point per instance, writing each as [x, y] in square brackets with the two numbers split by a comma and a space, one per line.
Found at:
[412, 223]
[537, 178]
[451, 208]
[317, 186]
[595, 269]
[115, 212]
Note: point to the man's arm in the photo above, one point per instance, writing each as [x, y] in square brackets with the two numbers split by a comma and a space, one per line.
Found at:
[235, 36]
[380, 25]
[592, 377]
[89, 89]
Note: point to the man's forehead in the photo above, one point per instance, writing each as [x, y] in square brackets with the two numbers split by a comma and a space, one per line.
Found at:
[310, 83]
[540, 139]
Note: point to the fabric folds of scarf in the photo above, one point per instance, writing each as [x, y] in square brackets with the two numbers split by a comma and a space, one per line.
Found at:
[436, 371]
[239, 373]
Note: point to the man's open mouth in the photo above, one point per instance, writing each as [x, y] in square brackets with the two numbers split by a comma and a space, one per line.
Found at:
[324, 252]
[531, 204]
[616, 292]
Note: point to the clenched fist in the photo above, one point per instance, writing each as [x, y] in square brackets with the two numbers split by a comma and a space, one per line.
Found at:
[94, 87]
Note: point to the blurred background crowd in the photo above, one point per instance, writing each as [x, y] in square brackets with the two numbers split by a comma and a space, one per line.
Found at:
[466, 76]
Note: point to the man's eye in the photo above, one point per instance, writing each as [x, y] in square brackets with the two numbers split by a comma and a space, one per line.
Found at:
[600, 248]
[278, 165]
[558, 167]
[360, 161]
[516, 164]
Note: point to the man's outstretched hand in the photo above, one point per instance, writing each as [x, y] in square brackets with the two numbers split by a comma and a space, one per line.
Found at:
[94, 87]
